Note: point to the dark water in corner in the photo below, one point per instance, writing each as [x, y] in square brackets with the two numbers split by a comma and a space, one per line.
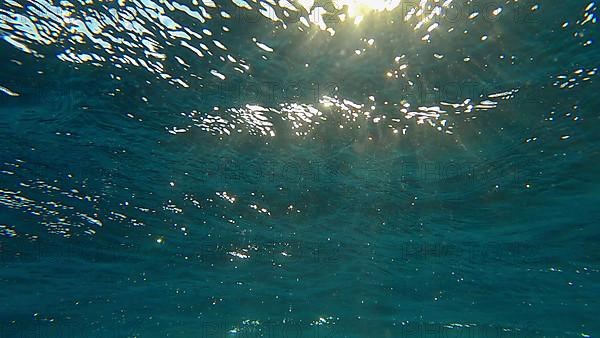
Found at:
[267, 169]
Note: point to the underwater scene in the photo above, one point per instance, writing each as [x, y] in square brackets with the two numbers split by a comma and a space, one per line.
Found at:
[299, 168]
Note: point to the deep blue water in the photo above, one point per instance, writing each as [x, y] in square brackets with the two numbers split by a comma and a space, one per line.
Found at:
[275, 169]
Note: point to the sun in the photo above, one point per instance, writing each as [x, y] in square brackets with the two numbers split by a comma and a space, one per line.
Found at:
[357, 9]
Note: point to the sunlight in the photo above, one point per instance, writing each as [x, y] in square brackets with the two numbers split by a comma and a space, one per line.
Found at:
[357, 9]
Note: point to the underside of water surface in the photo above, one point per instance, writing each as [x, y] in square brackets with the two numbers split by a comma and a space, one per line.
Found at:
[301, 168]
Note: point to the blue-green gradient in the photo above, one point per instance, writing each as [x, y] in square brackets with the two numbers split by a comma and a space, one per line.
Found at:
[111, 226]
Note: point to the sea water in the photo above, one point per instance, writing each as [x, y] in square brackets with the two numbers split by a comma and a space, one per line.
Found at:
[299, 169]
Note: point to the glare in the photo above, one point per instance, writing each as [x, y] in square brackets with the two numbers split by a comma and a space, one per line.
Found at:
[358, 8]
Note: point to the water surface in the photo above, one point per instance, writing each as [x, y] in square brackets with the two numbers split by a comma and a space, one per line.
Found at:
[299, 169]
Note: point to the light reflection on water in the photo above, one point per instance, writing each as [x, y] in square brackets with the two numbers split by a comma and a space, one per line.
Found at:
[335, 168]
[152, 36]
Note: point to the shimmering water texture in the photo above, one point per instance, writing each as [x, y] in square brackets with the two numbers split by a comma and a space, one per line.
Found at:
[280, 168]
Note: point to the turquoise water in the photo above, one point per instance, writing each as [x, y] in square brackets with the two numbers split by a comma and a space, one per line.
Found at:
[299, 169]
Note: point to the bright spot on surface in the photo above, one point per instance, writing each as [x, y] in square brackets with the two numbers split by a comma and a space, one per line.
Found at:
[358, 8]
